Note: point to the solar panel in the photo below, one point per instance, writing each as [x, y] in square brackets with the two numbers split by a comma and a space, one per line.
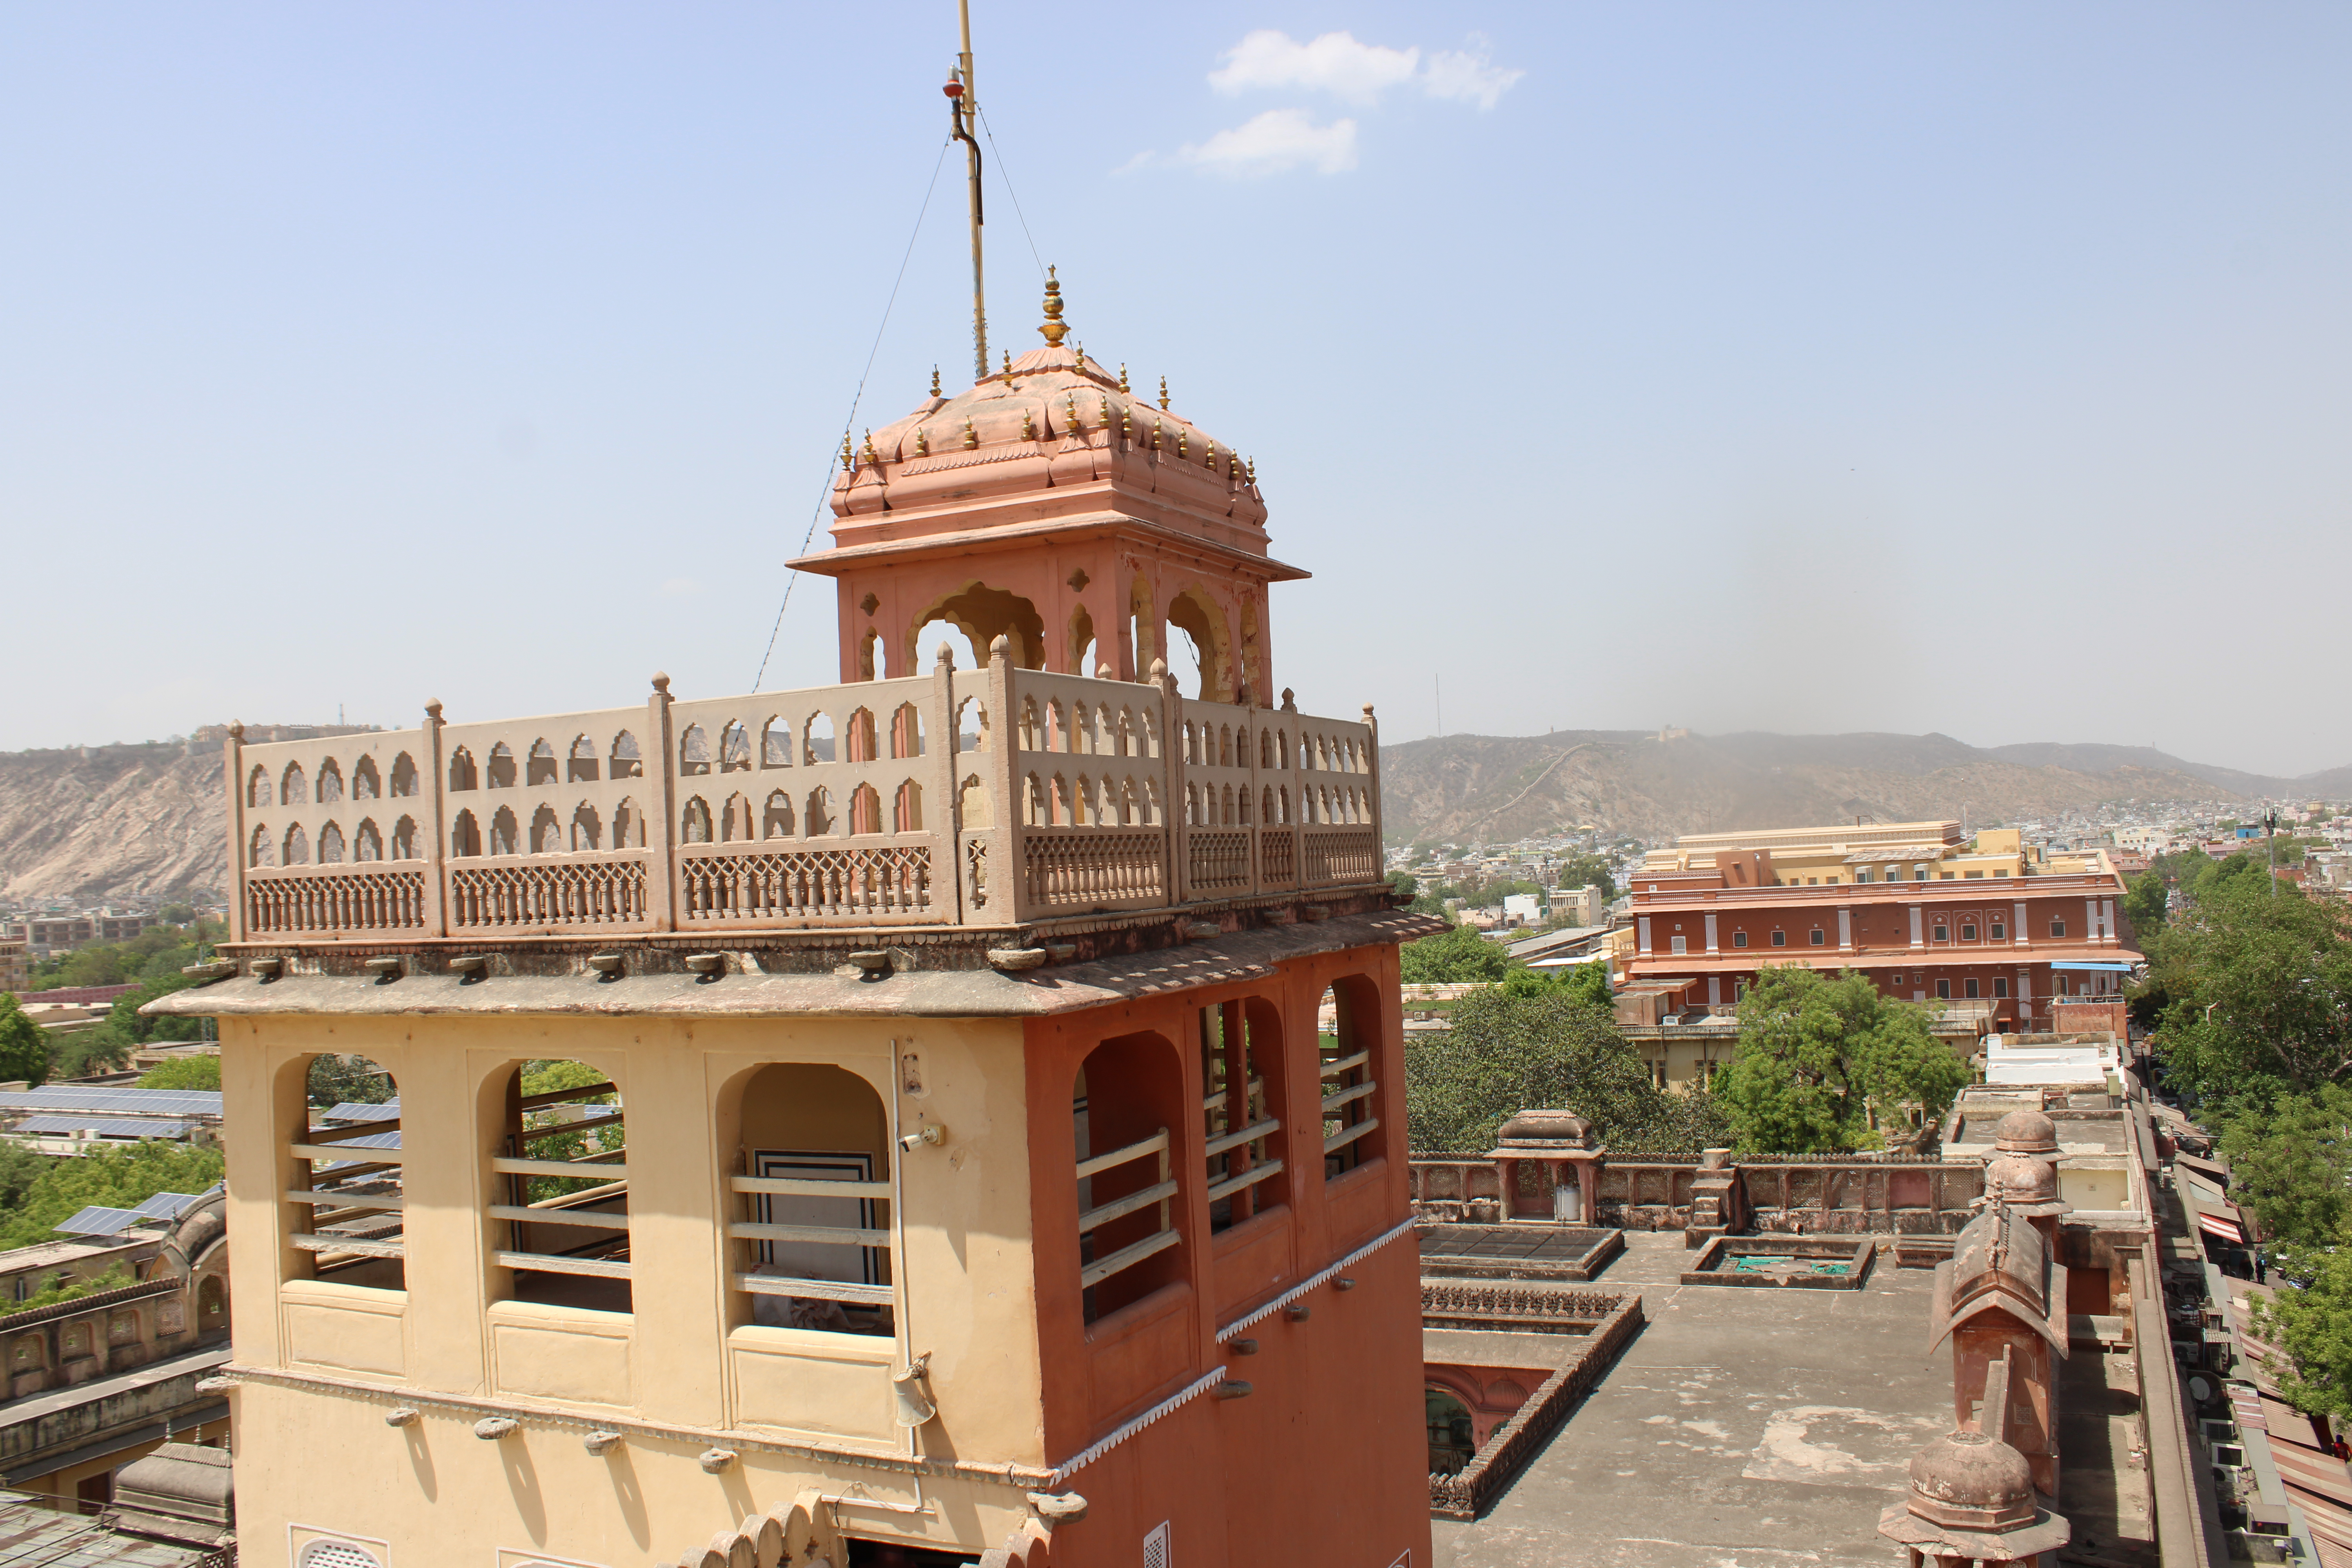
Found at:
[100, 1220]
[168, 1205]
[102, 1126]
[122, 1102]
[357, 1111]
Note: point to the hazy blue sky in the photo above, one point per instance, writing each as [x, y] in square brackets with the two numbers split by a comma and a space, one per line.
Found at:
[1985, 369]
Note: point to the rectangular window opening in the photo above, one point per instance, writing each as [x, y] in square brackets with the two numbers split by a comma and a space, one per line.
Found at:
[1242, 1180]
[565, 1217]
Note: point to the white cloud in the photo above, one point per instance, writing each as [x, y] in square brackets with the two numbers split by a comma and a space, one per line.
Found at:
[1358, 73]
[1275, 143]
[1469, 75]
[1334, 63]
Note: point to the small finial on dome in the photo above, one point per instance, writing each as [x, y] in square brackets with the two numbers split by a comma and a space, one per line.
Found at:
[1028, 426]
[935, 381]
[848, 452]
[1163, 391]
[1179, 440]
[871, 455]
[1008, 367]
[1253, 470]
[922, 442]
[1054, 330]
[970, 436]
[1122, 375]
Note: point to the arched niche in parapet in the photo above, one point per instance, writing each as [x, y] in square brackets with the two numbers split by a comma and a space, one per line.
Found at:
[1130, 1090]
[506, 833]
[806, 1122]
[735, 748]
[580, 763]
[366, 782]
[907, 808]
[776, 819]
[346, 1103]
[982, 614]
[1208, 644]
[330, 783]
[462, 774]
[330, 845]
[262, 848]
[816, 740]
[539, 767]
[865, 810]
[465, 836]
[367, 842]
[735, 819]
[907, 732]
[816, 818]
[293, 789]
[694, 823]
[859, 737]
[694, 751]
[500, 772]
[628, 762]
[776, 743]
[404, 840]
[972, 725]
[973, 812]
[546, 831]
[628, 825]
[404, 775]
[295, 848]
[587, 828]
[257, 787]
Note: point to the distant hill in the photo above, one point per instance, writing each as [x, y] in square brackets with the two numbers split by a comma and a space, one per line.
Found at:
[1468, 788]
[93, 824]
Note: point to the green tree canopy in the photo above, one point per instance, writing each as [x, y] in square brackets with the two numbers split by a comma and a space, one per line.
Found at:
[2143, 904]
[1505, 1054]
[2312, 1327]
[2291, 1165]
[1816, 1052]
[24, 1046]
[348, 1080]
[2258, 988]
[1457, 956]
[1586, 871]
[183, 1072]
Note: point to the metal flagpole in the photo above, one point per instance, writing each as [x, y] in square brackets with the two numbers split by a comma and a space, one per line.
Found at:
[963, 107]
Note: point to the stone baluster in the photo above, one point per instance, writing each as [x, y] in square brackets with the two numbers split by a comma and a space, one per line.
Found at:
[435, 784]
[239, 853]
[662, 898]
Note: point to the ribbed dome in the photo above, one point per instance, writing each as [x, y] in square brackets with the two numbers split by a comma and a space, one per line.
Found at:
[2026, 1132]
[2020, 1178]
[1970, 1481]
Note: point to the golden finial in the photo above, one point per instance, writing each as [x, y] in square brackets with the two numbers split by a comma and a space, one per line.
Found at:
[1122, 375]
[1054, 330]
[1253, 470]
[848, 453]
[935, 381]
[1028, 426]
[1163, 391]
[1126, 427]
[1106, 410]
[1008, 367]
[922, 442]
[1179, 440]
[970, 436]
[1070, 402]
[871, 455]
[1158, 429]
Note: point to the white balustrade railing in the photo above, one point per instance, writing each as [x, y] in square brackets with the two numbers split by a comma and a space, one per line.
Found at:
[964, 797]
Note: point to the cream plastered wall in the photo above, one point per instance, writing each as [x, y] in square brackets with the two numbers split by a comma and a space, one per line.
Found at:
[685, 1356]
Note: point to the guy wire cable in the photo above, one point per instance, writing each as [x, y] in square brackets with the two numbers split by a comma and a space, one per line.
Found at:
[792, 574]
[1005, 174]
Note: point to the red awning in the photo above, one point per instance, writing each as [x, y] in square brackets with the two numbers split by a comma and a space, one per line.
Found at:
[2220, 1225]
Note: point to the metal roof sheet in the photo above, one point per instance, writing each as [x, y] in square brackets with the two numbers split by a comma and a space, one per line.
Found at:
[65, 1126]
[122, 1102]
[100, 1220]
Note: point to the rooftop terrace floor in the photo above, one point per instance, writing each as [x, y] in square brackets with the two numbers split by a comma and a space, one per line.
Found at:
[1740, 1427]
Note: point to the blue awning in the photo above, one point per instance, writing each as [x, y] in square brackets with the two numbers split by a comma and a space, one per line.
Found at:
[2115, 968]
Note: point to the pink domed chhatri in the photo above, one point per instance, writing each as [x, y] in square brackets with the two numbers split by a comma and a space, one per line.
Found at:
[1048, 504]
[2026, 1132]
[1972, 1500]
